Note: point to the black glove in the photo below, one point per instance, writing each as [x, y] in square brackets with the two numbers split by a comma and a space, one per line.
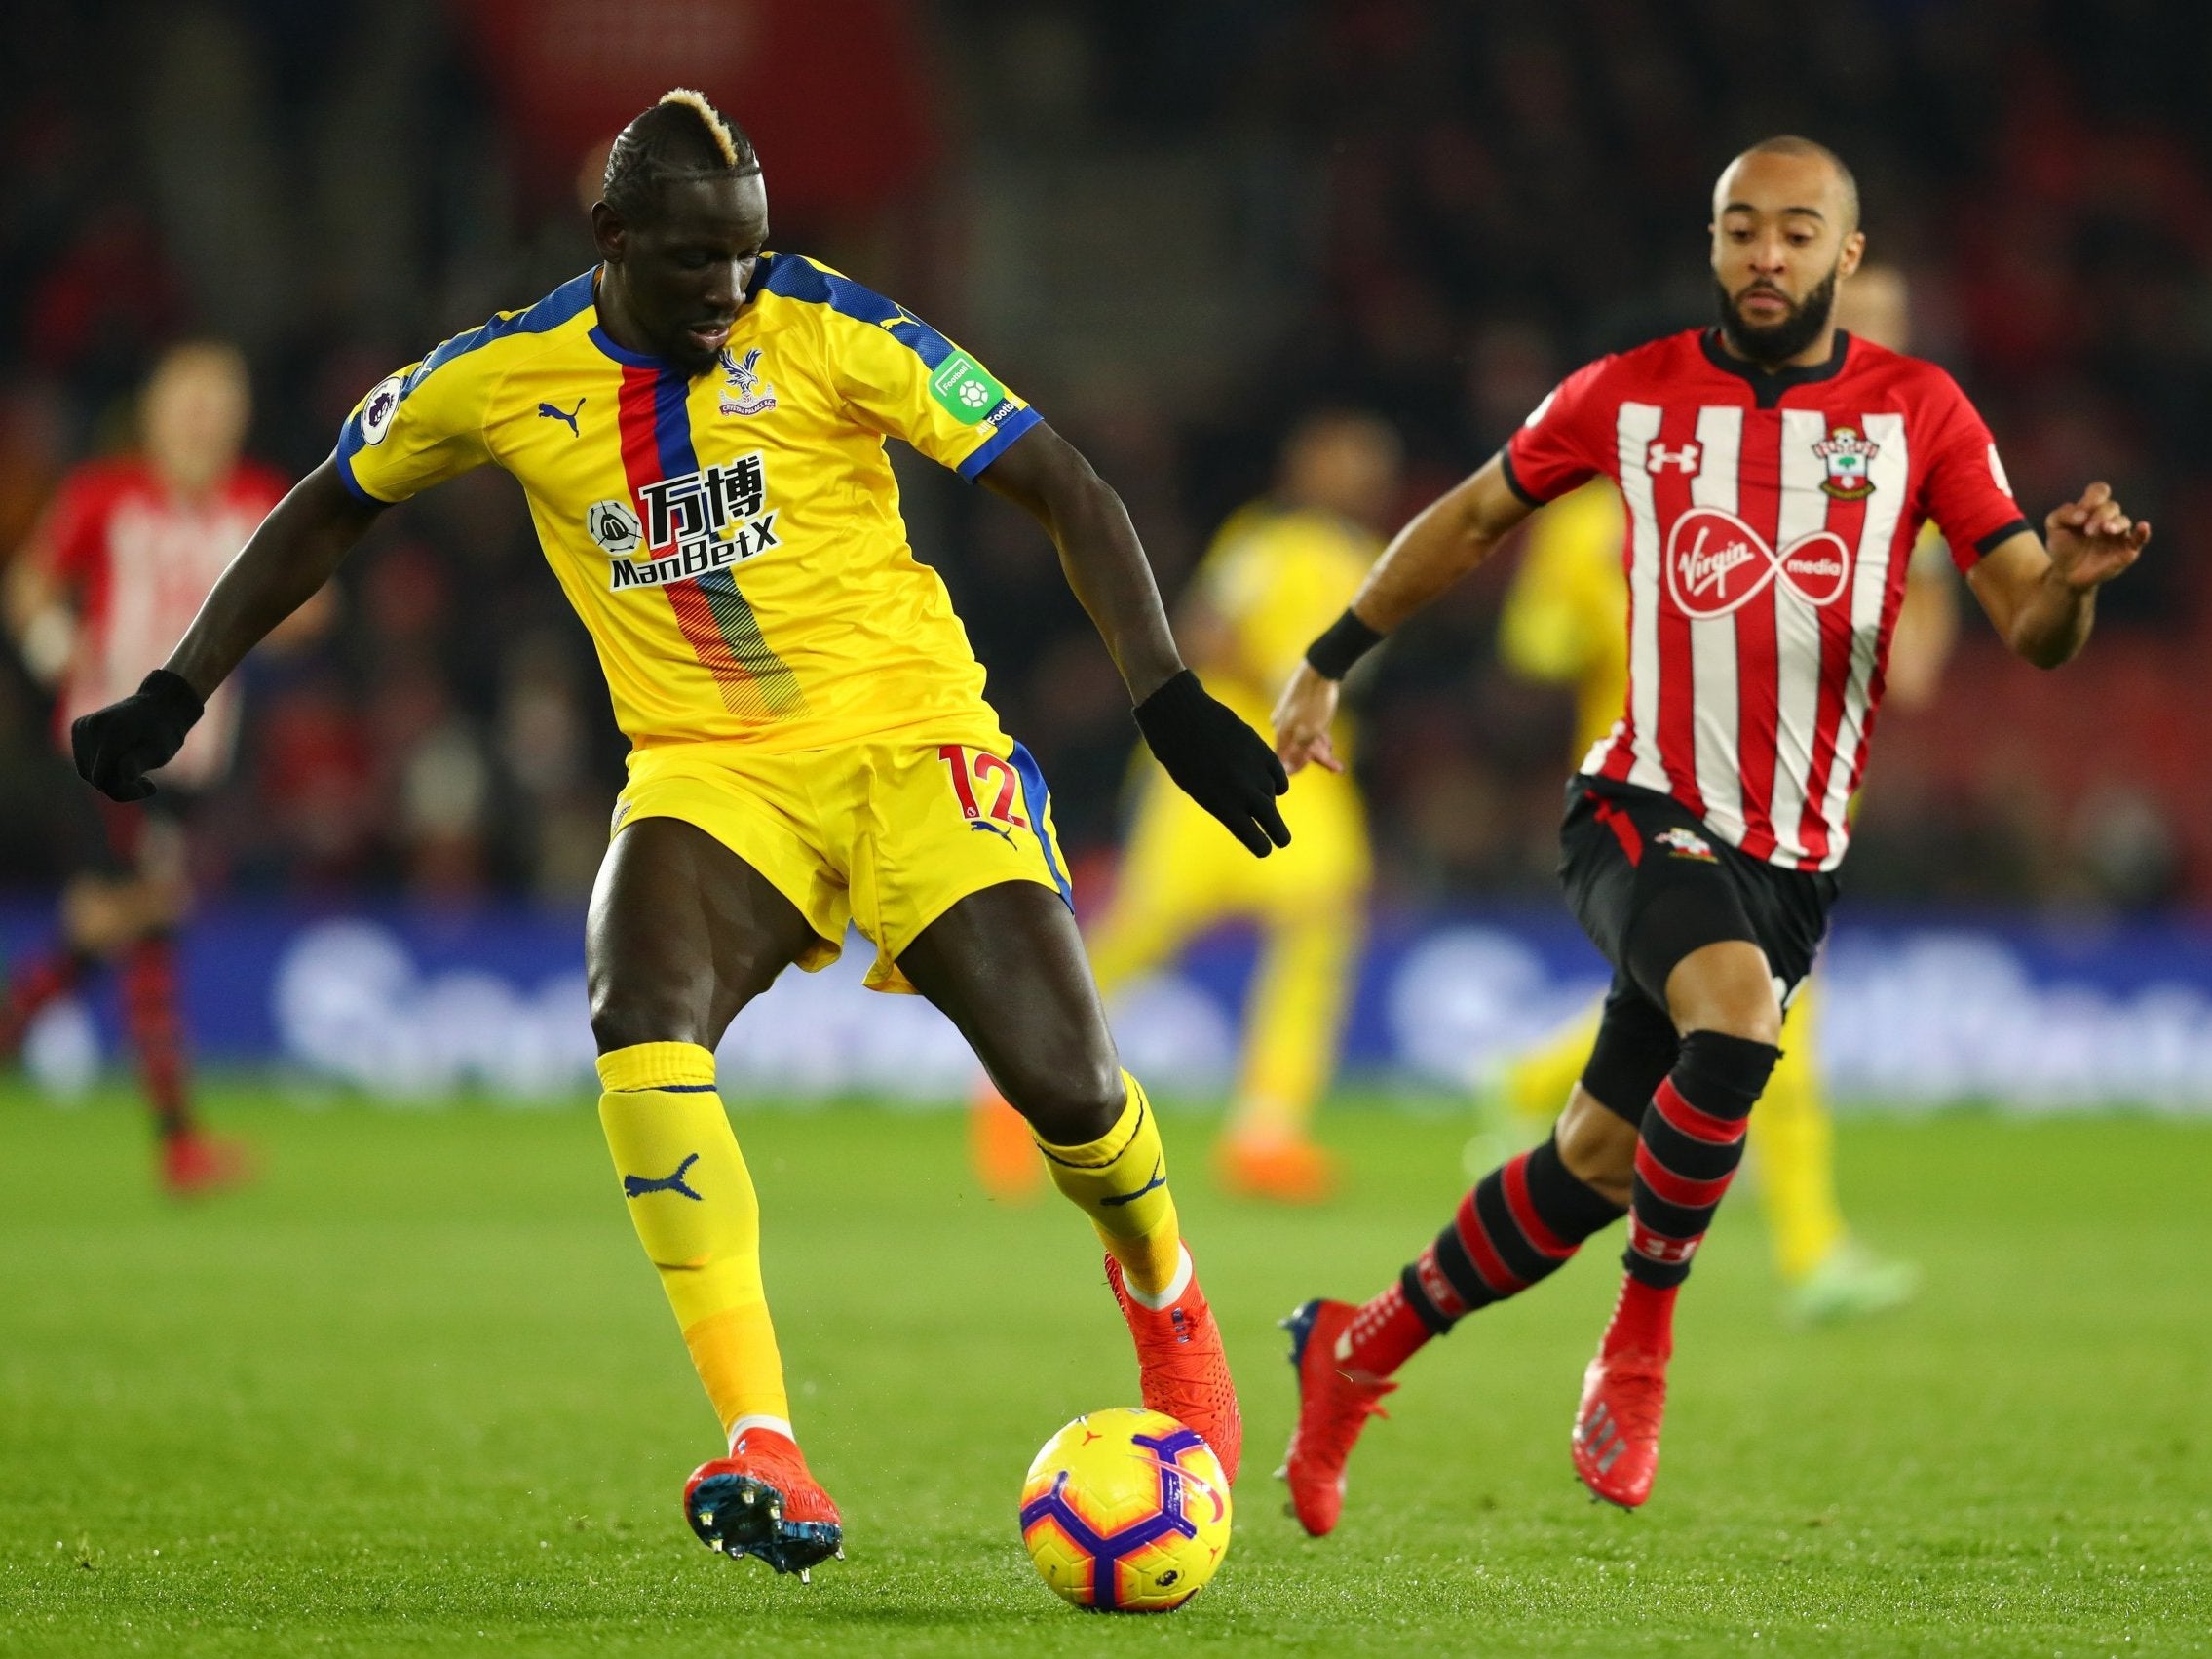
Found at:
[1217, 761]
[117, 746]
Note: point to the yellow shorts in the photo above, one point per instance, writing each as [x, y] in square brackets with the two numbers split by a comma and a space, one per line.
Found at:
[1178, 856]
[886, 834]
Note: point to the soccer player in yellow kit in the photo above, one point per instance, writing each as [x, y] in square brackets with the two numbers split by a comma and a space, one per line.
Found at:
[699, 428]
[1565, 618]
[1280, 570]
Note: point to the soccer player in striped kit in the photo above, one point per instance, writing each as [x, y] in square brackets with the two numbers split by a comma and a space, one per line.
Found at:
[1775, 471]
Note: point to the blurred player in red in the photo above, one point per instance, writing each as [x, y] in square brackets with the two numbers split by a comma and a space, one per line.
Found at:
[1776, 472]
[112, 574]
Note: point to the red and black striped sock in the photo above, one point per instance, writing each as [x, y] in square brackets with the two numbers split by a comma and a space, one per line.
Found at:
[1687, 1152]
[1520, 1223]
[33, 985]
[156, 1031]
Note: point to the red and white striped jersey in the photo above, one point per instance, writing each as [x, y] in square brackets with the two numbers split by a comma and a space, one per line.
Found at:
[138, 561]
[1771, 524]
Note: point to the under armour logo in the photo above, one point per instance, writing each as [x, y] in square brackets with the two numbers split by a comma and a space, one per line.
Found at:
[546, 411]
[637, 1187]
[1658, 457]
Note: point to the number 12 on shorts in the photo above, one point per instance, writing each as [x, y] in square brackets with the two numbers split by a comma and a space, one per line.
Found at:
[979, 774]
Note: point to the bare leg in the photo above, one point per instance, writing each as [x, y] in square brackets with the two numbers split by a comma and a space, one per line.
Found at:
[682, 933]
[1007, 966]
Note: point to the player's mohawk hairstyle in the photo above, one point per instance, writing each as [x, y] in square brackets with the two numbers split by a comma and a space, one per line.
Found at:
[681, 138]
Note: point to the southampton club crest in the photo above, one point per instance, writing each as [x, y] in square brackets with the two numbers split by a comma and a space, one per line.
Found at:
[747, 394]
[1684, 843]
[1846, 456]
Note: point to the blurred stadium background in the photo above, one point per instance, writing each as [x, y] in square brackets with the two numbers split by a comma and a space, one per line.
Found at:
[1174, 227]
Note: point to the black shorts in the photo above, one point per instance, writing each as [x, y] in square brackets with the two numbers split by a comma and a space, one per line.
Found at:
[1650, 884]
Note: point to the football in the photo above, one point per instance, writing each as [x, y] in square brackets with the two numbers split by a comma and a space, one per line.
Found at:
[1125, 1510]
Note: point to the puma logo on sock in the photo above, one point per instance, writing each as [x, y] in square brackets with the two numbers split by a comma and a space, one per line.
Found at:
[1158, 1178]
[637, 1187]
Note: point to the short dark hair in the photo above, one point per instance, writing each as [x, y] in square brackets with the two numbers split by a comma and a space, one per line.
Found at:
[1790, 145]
[681, 138]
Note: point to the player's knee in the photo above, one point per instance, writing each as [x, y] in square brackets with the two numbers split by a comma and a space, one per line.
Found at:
[1597, 1144]
[624, 1014]
[1726, 988]
[1068, 1104]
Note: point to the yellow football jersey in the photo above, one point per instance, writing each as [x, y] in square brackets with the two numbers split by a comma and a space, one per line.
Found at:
[1275, 576]
[1566, 614]
[732, 540]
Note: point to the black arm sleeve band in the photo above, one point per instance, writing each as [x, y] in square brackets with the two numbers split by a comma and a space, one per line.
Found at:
[1989, 544]
[1347, 640]
[1512, 479]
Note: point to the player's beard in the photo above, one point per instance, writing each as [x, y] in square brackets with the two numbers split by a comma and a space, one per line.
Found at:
[1777, 343]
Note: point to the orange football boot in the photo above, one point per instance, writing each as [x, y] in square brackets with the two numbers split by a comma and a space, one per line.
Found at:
[1006, 1159]
[1182, 1369]
[762, 1501]
[194, 1164]
[1286, 1169]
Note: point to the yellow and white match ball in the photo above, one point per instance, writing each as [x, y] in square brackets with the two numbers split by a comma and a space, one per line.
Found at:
[1125, 1510]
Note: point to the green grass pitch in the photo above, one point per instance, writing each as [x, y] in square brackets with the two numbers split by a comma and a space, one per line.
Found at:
[418, 1393]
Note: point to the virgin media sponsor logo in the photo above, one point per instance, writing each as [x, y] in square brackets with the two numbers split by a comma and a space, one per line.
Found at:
[1716, 563]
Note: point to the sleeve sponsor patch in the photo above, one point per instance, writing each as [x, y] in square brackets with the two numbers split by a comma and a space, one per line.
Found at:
[965, 390]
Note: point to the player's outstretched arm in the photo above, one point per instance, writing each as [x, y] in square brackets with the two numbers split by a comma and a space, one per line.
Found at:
[285, 562]
[1214, 757]
[1446, 539]
[2045, 603]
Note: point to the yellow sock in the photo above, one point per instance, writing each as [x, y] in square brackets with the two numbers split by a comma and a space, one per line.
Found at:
[1293, 1019]
[1537, 1083]
[1794, 1140]
[691, 1201]
[1119, 1181]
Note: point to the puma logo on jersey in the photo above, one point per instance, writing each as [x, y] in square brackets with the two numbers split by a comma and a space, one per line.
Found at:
[546, 411]
[637, 1187]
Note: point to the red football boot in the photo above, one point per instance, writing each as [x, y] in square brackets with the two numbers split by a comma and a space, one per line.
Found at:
[1333, 1406]
[1617, 1429]
[1182, 1369]
[761, 1502]
[195, 1164]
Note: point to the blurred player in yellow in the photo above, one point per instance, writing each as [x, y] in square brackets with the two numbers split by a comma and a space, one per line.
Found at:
[1280, 569]
[1564, 623]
